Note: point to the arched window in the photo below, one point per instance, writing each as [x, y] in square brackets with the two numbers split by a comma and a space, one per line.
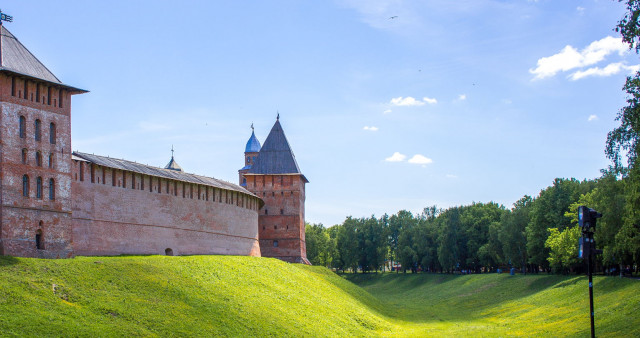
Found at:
[23, 127]
[39, 187]
[50, 160]
[52, 189]
[37, 125]
[38, 159]
[168, 252]
[25, 186]
[39, 239]
[52, 133]
[24, 156]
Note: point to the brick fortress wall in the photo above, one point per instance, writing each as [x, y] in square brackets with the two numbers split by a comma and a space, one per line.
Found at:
[117, 211]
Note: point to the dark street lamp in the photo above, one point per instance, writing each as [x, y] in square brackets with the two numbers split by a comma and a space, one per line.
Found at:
[587, 220]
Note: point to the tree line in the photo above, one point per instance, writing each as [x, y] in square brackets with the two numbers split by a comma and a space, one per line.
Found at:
[536, 234]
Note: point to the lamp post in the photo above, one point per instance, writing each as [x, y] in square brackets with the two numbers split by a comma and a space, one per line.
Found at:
[587, 220]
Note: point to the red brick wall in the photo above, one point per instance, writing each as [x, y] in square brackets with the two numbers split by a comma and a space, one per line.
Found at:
[21, 217]
[131, 219]
[281, 219]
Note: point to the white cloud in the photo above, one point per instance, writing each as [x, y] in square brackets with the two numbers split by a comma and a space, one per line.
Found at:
[430, 100]
[387, 111]
[410, 101]
[420, 159]
[372, 128]
[592, 118]
[406, 101]
[610, 69]
[462, 97]
[451, 176]
[580, 10]
[396, 157]
[570, 58]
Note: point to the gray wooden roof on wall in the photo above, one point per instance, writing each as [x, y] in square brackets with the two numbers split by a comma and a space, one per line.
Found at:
[275, 156]
[16, 58]
[158, 172]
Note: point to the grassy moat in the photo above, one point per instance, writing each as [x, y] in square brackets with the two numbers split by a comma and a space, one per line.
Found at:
[247, 296]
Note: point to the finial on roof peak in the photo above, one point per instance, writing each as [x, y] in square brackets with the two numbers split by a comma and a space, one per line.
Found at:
[278, 116]
[172, 165]
[252, 127]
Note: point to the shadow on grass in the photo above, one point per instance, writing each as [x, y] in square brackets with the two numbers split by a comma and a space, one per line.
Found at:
[427, 297]
[8, 260]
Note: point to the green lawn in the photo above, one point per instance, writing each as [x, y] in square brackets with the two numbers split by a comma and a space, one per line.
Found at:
[490, 305]
[242, 296]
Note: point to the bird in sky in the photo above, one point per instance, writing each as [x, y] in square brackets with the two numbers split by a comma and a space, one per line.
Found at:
[393, 17]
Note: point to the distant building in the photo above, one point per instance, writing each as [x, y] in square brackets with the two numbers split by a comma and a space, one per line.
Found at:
[55, 203]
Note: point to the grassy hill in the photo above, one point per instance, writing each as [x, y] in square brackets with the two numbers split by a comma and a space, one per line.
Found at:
[240, 296]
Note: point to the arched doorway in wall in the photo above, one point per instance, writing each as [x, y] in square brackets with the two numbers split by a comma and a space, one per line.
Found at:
[168, 252]
[40, 238]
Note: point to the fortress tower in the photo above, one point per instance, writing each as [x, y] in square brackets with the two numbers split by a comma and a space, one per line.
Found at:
[272, 173]
[35, 155]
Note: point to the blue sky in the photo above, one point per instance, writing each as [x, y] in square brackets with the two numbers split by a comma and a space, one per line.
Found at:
[387, 105]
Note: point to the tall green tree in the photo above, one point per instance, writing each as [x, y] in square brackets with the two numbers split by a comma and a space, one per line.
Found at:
[347, 245]
[563, 248]
[450, 239]
[481, 249]
[623, 140]
[549, 211]
[320, 246]
[397, 224]
[513, 233]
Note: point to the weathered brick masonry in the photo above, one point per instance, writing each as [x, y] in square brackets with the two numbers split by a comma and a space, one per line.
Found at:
[55, 203]
[272, 173]
[118, 211]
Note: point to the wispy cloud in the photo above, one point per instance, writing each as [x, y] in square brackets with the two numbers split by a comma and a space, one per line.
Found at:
[416, 159]
[420, 159]
[410, 101]
[429, 100]
[580, 10]
[396, 157]
[372, 128]
[406, 101]
[570, 58]
[462, 97]
[610, 69]
[387, 111]
[592, 118]
[451, 176]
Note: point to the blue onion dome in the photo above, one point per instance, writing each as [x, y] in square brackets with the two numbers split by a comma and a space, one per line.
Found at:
[253, 145]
